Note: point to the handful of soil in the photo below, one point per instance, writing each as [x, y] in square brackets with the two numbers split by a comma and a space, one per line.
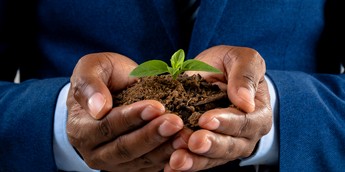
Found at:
[187, 96]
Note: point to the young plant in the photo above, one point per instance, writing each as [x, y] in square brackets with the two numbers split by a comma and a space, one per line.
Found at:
[178, 65]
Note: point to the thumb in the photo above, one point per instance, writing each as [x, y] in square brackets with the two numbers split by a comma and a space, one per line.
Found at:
[96, 103]
[99, 100]
[95, 77]
[244, 99]
[246, 72]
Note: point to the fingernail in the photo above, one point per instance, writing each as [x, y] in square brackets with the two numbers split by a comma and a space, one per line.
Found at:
[96, 103]
[188, 163]
[246, 95]
[212, 124]
[168, 129]
[206, 145]
[150, 112]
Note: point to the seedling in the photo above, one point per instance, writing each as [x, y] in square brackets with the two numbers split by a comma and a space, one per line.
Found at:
[178, 65]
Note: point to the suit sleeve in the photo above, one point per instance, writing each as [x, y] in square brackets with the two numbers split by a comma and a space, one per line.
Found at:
[311, 120]
[26, 124]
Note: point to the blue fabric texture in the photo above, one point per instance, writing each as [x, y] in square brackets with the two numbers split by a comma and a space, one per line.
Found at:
[312, 120]
[27, 112]
[301, 42]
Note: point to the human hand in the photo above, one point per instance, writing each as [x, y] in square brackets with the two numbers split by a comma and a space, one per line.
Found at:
[127, 138]
[228, 133]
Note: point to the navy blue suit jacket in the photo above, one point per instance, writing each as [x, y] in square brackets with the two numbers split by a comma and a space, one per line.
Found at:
[301, 41]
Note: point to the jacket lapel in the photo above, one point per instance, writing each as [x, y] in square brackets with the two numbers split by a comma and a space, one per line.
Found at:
[168, 15]
[210, 12]
[207, 20]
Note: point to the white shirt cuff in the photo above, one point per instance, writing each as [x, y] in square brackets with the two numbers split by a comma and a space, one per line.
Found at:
[267, 148]
[66, 158]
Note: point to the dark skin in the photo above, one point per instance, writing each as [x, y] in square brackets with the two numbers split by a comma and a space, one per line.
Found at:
[141, 137]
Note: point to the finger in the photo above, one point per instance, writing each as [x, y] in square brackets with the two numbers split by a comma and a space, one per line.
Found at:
[214, 57]
[246, 69]
[125, 119]
[183, 160]
[233, 122]
[157, 157]
[95, 76]
[181, 139]
[243, 68]
[167, 168]
[221, 150]
[262, 95]
[120, 120]
[229, 121]
[219, 146]
[139, 142]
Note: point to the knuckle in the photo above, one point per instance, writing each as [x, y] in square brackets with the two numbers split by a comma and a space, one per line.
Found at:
[105, 68]
[266, 128]
[244, 125]
[74, 134]
[104, 127]
[93, 163]
[230, 57]
[251, 52]
[267, 121]
[254, 52]
[124, 119]
[78, 87]
[246, 153]
[258, 61]
[121, 149]
[146, 161]
[261, 61]
[251, 80]
[119, 154]
[99, 160]
[231, 149]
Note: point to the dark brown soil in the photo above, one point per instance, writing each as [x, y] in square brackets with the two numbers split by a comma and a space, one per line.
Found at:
[187, 96]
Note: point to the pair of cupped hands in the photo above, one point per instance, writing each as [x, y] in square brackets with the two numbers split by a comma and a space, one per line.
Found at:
[143, 137]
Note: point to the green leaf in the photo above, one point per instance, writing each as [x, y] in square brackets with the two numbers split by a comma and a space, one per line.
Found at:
[171, 70]
[178, 65]
[196, 65]
[150, 68]
[177, 59]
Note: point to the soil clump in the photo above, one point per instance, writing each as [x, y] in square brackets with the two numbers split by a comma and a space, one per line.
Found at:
[187, 96]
